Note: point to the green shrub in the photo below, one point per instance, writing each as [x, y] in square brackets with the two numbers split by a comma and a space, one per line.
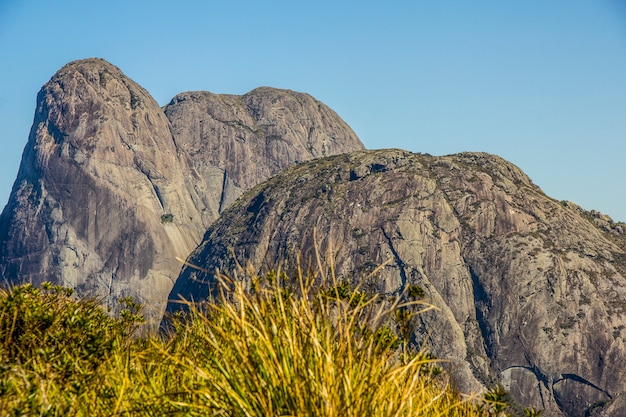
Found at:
[47, 335]
[48, 325]
[167, 218]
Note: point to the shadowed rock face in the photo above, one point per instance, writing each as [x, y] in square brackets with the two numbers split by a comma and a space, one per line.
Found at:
[110, 191]
[531, 292]
[99, 170]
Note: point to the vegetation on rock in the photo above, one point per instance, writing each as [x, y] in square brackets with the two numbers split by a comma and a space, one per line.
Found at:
[531, 291]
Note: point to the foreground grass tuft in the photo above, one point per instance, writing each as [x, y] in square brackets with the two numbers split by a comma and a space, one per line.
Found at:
[272, 345]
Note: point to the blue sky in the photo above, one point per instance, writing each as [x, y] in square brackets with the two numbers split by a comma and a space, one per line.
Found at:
[540, 83]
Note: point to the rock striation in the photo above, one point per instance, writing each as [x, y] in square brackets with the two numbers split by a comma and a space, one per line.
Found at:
[531, 291]
[112, 188]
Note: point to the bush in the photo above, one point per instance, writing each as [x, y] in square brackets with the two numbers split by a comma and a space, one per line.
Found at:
[46, 336]
[47, 325]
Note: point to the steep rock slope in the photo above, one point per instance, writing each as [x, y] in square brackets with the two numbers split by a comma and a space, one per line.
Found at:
[531, 292]
[106, 200]
[99, 171]
[235, 142]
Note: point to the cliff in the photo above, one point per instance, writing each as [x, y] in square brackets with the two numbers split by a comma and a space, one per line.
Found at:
[531, 291]
[112, 188]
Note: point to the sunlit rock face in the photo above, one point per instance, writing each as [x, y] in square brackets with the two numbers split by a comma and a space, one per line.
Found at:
[112, 188]
[531, 291]
[254, 136]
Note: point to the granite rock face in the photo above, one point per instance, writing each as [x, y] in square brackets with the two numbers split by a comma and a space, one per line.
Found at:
[531, 291]
[236, 142]
[99, 171]
[110, 191]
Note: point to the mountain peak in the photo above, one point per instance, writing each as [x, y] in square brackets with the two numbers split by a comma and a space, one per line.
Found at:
[112, 188]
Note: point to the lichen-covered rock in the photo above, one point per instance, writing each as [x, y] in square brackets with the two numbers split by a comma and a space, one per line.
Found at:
[110, 192]
[531, 292]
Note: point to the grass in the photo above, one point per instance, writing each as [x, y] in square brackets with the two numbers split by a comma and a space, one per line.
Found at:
[271, 345]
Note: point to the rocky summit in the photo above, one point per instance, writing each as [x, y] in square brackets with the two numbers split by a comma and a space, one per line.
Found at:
[112, 188]
[235, 142]
[531, 292]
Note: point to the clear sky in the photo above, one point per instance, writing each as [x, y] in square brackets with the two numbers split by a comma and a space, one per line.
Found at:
[540, 83]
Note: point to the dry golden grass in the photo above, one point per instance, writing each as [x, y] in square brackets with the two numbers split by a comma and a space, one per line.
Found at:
[272, 345]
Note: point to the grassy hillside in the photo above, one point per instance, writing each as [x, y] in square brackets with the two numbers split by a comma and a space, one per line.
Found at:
[280, 346]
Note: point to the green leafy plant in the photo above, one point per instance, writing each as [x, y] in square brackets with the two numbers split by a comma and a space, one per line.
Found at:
[48, 336]
[167, 218]
[415, 292]
[532, 412]
[496, 401]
